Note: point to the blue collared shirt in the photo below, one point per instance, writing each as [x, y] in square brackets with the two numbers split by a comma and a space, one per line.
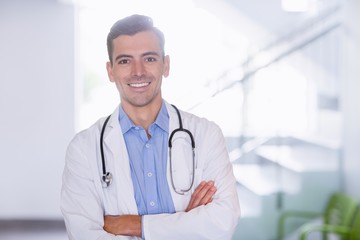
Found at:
[148, 159]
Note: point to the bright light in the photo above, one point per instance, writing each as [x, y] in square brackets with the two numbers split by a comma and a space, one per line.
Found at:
[196, 41]
[199, 49]
[295, 5]
[279, 103]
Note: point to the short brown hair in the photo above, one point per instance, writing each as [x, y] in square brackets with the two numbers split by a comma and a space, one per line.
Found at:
[130, 26]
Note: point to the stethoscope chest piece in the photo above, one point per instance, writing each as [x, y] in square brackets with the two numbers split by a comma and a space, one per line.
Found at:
[107, 179]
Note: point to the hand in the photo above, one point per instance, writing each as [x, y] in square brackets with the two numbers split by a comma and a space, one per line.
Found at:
[128, 225]
[202, 195]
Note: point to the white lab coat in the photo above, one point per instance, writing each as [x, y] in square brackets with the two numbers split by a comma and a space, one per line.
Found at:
[84, 201]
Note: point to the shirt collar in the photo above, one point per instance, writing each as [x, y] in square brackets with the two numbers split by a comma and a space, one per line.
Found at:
[162, 119]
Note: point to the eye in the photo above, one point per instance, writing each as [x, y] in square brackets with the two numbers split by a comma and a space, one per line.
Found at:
[150, 59]
[123, 61]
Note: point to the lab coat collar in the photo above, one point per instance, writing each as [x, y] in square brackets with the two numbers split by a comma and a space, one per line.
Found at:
[173, 122]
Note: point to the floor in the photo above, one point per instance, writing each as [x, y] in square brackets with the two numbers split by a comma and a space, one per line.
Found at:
[32, 230]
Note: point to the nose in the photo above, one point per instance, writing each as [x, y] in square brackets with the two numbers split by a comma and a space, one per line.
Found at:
[138, 68]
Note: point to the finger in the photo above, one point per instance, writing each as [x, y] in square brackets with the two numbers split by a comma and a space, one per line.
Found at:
[196, 192]
[199, 187]
[208, 196]
[199, 192]
[202, 193]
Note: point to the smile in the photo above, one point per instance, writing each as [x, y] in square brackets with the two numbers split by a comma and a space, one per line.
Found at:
[138, 85]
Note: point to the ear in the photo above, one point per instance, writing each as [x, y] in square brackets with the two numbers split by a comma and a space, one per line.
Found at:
[166, 69]
[109, 71]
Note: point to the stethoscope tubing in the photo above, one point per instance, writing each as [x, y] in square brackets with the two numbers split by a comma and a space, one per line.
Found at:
[107, 176]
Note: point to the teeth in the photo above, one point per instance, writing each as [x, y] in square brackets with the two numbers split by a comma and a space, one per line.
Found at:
[138, 85]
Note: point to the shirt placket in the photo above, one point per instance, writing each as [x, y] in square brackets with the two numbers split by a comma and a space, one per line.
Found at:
[149, 175]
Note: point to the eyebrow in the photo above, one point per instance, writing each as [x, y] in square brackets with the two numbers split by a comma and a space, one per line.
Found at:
[142, 55]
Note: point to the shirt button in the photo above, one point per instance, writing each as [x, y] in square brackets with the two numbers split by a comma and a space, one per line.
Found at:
[147, 145]
[149, 174]
[152, 203]
[137, 128]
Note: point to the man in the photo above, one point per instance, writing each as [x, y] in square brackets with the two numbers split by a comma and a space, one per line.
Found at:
[186, 192]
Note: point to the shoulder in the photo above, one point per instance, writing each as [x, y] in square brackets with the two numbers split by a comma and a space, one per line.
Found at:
[88, 135]
[198, 124]
[95, 127]
[203, 126]
[191, 117]
[93, 131]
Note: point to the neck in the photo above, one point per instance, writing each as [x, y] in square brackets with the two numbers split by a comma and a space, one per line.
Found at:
[143, 116]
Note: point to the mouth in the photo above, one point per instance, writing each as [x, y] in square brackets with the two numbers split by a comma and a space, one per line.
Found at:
[139, 85]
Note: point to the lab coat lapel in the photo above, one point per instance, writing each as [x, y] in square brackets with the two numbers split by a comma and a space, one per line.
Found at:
[118, 164]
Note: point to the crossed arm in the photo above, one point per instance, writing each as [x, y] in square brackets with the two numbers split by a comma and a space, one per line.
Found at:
[130, 225]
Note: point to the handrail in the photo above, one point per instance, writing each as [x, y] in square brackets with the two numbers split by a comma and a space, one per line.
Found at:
[293, 34]
[279, 57]
[247, 147]
[306, 27]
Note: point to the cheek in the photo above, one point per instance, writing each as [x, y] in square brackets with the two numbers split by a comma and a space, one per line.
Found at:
[119, 87]
[119, 77]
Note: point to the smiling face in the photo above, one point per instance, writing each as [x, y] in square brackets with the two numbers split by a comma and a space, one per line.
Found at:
[137, 69]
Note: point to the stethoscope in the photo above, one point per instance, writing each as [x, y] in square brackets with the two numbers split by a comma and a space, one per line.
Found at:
[107, 176]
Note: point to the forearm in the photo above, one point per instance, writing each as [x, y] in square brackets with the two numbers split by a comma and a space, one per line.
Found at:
[127, 225]
[219, 217]
[204, 222]
[180, 225]
[130, 225]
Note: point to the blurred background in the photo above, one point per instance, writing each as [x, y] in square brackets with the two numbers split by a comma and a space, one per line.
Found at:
[280, 77]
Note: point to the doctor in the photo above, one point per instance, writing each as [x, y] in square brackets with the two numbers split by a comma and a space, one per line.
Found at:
[153, 188]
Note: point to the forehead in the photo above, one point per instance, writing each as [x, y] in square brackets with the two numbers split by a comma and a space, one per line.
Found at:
[138, 43]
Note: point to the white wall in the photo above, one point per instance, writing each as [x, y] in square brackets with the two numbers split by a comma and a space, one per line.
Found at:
[351, 97]
[36, 105]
